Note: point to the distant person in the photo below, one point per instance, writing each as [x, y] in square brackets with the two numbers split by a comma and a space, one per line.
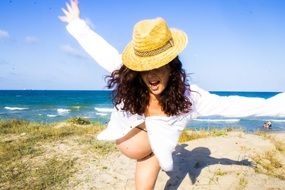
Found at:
[267, 125]
[152, 98]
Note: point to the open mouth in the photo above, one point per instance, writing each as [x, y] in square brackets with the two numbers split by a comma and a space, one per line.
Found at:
[154, 85]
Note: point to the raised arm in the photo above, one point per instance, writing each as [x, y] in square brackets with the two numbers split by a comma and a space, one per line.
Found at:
[207, 104]
[99, 49]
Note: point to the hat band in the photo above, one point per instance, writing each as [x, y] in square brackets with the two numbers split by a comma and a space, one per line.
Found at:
[169, 44]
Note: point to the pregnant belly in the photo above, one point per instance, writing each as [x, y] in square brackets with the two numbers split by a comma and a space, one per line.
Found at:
[135, 144]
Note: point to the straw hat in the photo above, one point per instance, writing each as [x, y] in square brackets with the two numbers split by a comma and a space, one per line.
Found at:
[153, 45]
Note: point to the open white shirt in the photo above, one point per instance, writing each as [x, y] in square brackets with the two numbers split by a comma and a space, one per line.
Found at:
[163, 131]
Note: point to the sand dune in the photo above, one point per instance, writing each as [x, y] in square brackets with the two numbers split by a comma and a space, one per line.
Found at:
[227, 162]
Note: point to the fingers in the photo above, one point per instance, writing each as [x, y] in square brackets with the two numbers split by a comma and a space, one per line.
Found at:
[74, 6]
[65, 11]
[66, 17]
[68, 7]
[63, 18]
[74, 2]
[71, 11]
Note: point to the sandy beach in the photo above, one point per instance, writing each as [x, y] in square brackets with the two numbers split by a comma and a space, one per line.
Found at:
[207, 163]
[231, 160]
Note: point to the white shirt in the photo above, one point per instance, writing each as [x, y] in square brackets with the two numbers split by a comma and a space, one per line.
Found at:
[163, 131]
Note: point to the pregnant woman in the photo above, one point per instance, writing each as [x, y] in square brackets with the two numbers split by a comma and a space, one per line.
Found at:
[153, 101]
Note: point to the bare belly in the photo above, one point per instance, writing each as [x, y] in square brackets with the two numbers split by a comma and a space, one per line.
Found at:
[135, 144]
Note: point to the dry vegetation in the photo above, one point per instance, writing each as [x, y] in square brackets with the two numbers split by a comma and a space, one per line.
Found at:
[26, 159]
[60, 155]
[270, 162]
[188, 135]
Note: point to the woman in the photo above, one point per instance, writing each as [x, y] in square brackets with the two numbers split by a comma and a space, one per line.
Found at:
[153, 101]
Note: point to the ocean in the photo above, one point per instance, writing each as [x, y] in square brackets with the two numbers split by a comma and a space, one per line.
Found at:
[58, 105]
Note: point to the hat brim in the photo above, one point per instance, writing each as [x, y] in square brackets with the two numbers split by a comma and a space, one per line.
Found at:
[138, 63]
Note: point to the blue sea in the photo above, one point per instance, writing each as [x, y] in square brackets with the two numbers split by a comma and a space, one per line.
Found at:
[58, 105]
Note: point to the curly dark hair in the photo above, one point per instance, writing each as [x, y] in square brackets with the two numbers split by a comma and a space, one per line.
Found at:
[129, 89]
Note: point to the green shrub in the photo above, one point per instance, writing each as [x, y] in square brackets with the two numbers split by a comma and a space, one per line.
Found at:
[79, 121]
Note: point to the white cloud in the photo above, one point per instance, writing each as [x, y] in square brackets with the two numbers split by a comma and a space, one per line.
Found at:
[31, 39]
[72, 51]
[4, 34]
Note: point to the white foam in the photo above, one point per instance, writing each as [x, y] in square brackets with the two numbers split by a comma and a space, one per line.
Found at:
[104, 110]
[219, 120]
[278, 120]
[51, 115]
[62, 111]
[14, 108]
[101, 114]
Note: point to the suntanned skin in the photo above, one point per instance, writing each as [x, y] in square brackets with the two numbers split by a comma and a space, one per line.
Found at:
[135, 144]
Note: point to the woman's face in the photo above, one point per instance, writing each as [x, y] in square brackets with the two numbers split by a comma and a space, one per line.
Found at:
[156, 80]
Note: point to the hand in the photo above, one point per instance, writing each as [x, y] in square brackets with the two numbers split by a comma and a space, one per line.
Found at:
[71, 13]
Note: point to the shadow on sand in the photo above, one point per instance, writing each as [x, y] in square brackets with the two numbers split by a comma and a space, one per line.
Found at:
[192, 162]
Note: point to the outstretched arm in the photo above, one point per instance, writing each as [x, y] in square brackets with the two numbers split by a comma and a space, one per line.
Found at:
[99, 49]
[207, 104]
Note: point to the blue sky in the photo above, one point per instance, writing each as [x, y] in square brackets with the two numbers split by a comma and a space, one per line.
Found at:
[233, 45]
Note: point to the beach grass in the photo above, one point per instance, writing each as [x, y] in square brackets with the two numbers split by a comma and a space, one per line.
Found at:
[190, 134]
[79, 121]
[270, 163]
[279, 145]
[26, 161]
[242, 183]
[48, 155]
